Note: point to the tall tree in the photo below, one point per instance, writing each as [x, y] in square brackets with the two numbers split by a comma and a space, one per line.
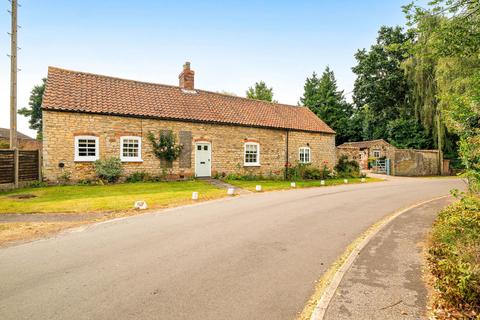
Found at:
[447, 43]
[381, 89]
[321, 95]
[260, 91]
[34, 109]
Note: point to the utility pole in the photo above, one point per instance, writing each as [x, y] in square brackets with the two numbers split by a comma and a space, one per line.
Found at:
[13, 92]
[13, 78]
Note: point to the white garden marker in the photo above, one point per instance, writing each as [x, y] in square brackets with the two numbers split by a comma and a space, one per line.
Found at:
[231, 191]
[293, 185]
[345, 181]
[363, 180]
[140, 205]
[322, 182]
[195, 195]
[258, 188]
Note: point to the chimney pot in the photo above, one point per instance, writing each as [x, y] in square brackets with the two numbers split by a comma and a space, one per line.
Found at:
[187, 77]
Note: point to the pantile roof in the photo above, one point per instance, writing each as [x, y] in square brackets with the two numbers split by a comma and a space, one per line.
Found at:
[75, 91]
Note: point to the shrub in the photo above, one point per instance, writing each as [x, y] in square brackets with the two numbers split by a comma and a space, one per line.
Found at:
[454, 255]
[140, 176]
[64, 178]
[233, 176]
[347, 168]
[109, 169]
[37, 184]
[312, 173]
[4, 145]
[308, 172]
[246, 177]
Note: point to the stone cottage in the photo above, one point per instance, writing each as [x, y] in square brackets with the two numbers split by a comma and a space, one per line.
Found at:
[88, 116]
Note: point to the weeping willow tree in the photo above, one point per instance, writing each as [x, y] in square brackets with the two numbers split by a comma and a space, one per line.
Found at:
[421, 71]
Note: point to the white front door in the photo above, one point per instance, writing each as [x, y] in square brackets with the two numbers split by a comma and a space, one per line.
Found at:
[203, 157]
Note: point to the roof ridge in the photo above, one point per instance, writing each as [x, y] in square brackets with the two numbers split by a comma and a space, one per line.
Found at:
[169, 86]
[110, 77]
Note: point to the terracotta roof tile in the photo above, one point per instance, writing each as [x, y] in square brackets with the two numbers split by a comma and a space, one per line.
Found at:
[84, 92]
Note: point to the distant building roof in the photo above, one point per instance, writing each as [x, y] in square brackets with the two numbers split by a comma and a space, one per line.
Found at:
[5, 134]
[363, 144]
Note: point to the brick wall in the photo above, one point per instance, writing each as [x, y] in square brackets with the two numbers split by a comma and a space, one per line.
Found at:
[60, 128]
[23, 144]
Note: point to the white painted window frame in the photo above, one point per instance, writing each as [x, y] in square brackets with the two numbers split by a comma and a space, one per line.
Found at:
[375, 151]
[131, 159]
[79, 158]
[309, 155]
[251, 164]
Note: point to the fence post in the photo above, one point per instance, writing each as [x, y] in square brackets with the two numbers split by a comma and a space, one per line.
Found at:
[16, 166]
[39, 165]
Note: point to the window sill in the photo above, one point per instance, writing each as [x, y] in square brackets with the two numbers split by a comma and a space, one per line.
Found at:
[251, 164]
[85, 160]
[131, 160]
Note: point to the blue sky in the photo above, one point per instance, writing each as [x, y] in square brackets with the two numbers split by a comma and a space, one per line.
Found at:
[231, 44]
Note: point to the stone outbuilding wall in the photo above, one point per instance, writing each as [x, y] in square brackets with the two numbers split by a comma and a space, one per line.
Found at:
[414, 163]
[227, 144]
[352, 153]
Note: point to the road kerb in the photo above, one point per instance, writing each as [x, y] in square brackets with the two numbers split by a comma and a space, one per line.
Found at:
[327, 285]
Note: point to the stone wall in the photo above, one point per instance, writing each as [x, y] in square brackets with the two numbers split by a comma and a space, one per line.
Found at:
[352, 153]
[412, 163]
[227, 141]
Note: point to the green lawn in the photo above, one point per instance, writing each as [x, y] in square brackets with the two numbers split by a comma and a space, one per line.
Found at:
[271, 185]
[105, 198]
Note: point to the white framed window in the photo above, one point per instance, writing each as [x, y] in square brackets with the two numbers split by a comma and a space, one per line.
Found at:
[304, 155]
[87, 148]
[131, 149]
[376, 153]
[252, 154]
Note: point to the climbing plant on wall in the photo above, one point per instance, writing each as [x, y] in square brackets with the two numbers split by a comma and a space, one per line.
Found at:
[165, 147]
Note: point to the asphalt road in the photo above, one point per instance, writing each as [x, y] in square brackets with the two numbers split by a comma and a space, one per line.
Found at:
[251, 257]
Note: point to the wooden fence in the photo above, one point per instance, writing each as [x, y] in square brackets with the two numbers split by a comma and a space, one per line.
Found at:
[19, 166]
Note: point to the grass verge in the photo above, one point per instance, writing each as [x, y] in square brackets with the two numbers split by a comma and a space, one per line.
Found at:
[272, 185]
[106, 198]
[453, 257]
[16, 231]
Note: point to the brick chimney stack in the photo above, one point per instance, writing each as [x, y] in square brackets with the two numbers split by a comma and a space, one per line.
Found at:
[186, 78]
